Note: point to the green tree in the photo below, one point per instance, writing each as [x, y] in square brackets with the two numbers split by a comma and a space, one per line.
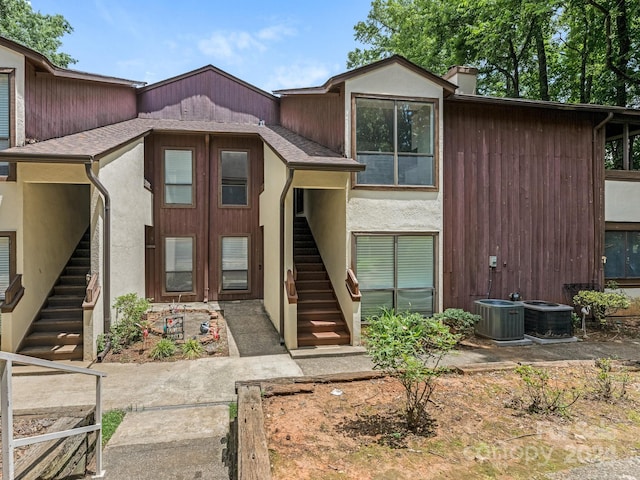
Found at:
[40, 32]
[567, 50]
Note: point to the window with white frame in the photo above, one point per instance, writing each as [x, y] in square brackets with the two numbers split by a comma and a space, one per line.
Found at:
[235, 263]
[234, 178]
[5, 119]
[178, 264]
[395, 140]
[395, 271]
[178, 177]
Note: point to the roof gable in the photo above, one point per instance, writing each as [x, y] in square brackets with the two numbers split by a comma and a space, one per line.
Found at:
[334, 82]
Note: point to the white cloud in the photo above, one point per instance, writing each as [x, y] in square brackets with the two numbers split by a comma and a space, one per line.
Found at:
[228, 45]
[276, 32]
[299, 75]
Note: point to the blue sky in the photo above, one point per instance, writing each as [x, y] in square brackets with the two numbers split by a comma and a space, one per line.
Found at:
[270, 44]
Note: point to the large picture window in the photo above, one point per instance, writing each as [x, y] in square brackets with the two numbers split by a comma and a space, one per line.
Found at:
[622, 249]
[395, 140]
[235, 263]
[178, 264]
[178, 177]
[234, 176]
[395, 271]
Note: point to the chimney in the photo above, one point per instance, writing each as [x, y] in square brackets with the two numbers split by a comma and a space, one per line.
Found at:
[464, 77]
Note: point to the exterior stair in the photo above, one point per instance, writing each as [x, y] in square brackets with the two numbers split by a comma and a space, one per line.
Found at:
[320, 319]
[56, 333]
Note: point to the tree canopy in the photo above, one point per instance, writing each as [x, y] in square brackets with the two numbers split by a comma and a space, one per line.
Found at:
[35, 30]
[585, 51]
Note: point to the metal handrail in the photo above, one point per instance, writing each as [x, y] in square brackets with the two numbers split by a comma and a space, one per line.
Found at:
[9, 443]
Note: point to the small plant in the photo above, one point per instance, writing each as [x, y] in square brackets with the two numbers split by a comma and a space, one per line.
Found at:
[192, 349]
[409, 347]
[233, 410]
[607, 385]
[601, 304]
[165, 348]
[458, 320]
[101, 343]
[129, 312]
[542, 397]
[110, 422]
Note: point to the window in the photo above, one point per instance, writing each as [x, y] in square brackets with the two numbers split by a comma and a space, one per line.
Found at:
[235, 263]
[622, 249]
[7, 261]
[622, 147]
[5, 140]
[395, 271]
[178, 177]
[234, 168]
[178, 264]
[395, 140]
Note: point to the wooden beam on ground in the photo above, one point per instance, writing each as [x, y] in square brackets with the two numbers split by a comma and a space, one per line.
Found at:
[253, 454]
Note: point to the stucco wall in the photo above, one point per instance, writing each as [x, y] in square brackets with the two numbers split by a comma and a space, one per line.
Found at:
[122, 174]
[621, 200]
[275, 177]
[11, 59]
[391, 210]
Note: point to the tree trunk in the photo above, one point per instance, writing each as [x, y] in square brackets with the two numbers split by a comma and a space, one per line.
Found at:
[542, 61]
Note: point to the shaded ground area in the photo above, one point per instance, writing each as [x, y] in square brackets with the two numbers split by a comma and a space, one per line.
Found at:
[251, 328]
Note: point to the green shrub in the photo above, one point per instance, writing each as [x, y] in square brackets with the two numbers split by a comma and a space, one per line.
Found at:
[607, 385]
[602, 304]
[100, 343]
[110, 422]
[541, 396]
[165, 348]
[459, 321]
[127, 328]
[191, 349]
[409, 347]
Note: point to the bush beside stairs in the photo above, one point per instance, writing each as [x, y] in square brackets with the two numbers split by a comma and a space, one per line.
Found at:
[320, 319]
[56, 332]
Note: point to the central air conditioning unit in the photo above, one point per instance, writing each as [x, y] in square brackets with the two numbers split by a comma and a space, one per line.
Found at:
[501, 319]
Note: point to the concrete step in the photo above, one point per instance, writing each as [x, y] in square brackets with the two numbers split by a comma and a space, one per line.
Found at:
[57, 325]
[61, 312]
[324, 338]
[55, 353]
[52, 339]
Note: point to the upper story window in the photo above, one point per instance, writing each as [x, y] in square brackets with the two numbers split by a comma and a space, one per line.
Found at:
[234, 178]
[5, 116]
[178, 177]
[395, 140]
[622, 147]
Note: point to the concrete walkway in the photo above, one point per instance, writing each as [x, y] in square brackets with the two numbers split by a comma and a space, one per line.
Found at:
[178, 412]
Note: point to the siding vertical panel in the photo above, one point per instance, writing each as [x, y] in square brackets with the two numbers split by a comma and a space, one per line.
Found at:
[56, 106]
[527, 197]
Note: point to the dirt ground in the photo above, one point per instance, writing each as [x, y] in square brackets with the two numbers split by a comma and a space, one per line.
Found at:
[480, 426]
[139, 351]
[354, 430]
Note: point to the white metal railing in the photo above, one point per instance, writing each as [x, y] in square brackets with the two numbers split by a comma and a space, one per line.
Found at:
[9, 444]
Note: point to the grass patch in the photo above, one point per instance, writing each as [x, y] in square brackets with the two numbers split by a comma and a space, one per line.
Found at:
[233, 410]
[110, 422]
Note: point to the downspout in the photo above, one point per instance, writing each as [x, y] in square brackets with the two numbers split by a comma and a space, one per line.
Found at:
[106, 273]
[283, 196]
[598, 192]
[207, 209]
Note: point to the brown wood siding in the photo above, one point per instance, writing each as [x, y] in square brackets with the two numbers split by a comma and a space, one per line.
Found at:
[317, 117]
[56, 107]
[206, 220]
[520, 184]
[208, 96]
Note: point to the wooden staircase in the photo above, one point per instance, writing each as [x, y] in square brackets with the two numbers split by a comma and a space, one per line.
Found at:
[320, 319]
[56, 333]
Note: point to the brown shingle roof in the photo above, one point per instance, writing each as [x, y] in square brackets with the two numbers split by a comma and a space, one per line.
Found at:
[294, 150]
